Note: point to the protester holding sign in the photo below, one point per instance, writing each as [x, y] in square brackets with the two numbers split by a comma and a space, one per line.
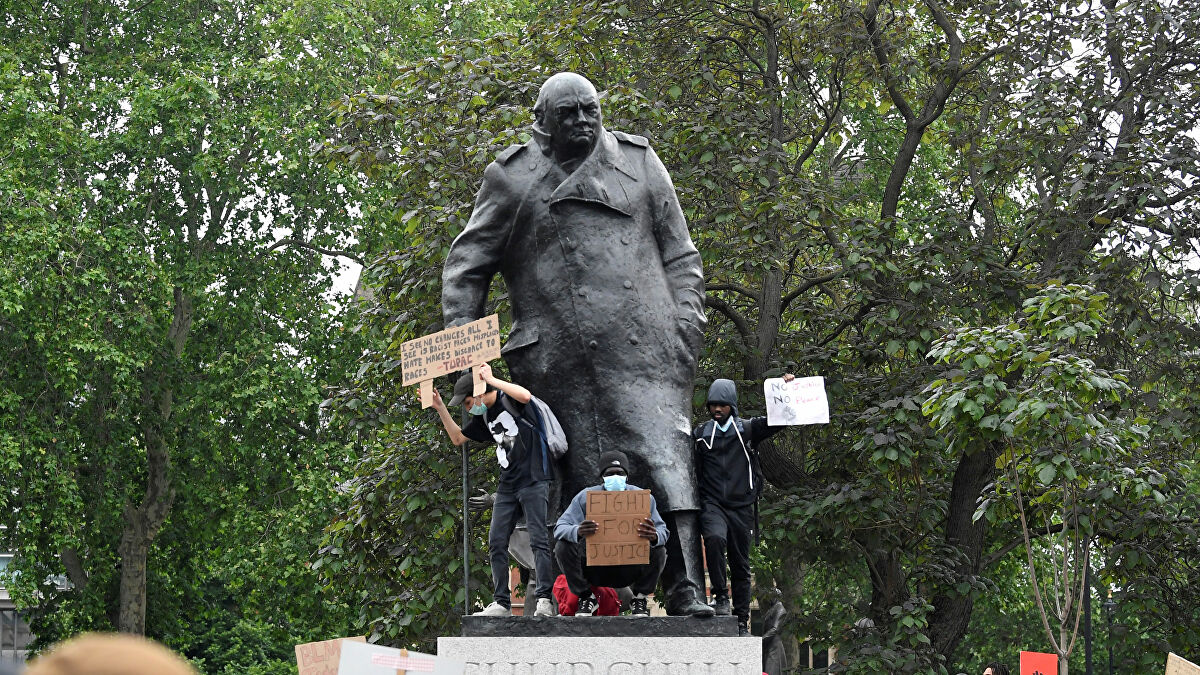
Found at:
[730, 481]
[504, 415]
[574, 529]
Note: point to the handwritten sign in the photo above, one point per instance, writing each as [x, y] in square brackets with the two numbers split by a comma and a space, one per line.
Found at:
[450, 350]
[321, 658]
[801, 401]
[1177, 665]
[368, 659]
[618, 514]
[1036, 663]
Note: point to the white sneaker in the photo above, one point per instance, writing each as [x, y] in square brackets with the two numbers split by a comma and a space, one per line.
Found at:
[544, 607]
[494, 609]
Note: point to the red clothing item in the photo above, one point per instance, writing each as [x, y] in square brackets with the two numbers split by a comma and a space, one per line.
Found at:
[568, 602]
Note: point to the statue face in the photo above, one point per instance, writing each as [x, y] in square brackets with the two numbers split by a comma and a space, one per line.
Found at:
[572, 118]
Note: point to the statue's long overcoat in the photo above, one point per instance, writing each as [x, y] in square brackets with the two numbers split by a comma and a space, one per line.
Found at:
[608, 303]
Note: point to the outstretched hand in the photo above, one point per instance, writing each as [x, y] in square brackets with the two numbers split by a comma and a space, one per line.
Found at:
[481, 501]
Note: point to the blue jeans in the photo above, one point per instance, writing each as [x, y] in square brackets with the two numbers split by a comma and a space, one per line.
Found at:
[534, 502]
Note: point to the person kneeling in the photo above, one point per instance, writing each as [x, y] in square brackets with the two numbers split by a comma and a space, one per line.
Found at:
[572, 531]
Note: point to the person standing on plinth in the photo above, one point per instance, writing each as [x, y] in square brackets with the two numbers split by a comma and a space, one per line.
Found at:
[607, 299]
[730, 479]
[525, 475]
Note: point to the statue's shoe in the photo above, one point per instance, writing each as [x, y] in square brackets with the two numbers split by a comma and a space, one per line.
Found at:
[690, 607]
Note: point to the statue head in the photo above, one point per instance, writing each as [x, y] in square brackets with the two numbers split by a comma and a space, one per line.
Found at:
[567, 116]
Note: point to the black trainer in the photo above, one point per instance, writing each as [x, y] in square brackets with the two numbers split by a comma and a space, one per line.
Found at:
[637, 606]
[587, 606]
[721, 605]
[743, 628]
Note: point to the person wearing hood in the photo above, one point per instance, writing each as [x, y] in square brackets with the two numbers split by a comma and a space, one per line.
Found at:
[502, 416]
[573, 529]
[730, 481]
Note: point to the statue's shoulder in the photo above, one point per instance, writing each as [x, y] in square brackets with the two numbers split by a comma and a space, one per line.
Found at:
[631, 139]
[510, 152]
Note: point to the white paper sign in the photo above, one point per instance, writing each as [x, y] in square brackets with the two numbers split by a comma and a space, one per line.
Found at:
[801, 401]
[360, 658]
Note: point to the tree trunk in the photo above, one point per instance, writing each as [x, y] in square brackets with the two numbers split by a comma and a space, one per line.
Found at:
[951, 610]
[141, 525]
[142, 522]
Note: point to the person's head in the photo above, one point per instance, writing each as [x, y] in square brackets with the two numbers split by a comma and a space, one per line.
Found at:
[106, 654]
[568, 111]
[722, 400]
[995, 668]
[464, 389]
[614, 469]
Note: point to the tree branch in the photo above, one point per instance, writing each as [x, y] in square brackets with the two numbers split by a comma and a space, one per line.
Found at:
[743, 326]
[799, 290]
[736, 288]
[291, 241]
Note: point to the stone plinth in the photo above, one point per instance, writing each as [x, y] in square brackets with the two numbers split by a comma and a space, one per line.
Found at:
[599, 626]
[605, 655]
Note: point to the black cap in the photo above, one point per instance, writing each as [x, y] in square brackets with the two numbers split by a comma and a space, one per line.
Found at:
[464, 387]
[614, 458]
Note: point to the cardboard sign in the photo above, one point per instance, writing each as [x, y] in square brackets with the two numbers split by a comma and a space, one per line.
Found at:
[618, 514]
[321, 658]
[450, 350]
[1177, 665]
[801, 401]
[368, 659]
[1036, 663]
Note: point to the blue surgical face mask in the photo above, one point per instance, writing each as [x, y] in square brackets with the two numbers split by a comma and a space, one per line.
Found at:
[725, 427]
[614, 483]
[478, 409]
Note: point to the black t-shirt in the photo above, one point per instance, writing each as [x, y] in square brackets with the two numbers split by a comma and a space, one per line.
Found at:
[518, 448]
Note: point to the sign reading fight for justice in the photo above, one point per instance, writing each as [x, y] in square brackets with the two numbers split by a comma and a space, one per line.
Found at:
[618, 514]
[321, 658]
[801, 401]
[450, 350]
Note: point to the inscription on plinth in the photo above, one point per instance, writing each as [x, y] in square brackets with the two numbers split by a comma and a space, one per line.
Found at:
[605, 655]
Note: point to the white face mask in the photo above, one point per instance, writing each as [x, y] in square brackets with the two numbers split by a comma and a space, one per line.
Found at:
[614, 483]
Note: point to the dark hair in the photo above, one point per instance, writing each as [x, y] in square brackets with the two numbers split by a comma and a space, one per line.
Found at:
[997, 668]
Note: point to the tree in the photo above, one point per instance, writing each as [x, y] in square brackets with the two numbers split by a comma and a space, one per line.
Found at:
[862, 181]
[167, 316]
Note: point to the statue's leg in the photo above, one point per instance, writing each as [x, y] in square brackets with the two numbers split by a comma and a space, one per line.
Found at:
[683, 576]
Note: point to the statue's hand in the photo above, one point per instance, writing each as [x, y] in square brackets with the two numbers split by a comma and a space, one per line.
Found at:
[482, 501]
[691, 339]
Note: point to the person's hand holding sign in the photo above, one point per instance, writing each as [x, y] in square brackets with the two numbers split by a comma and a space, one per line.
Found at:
[485, 374]
[588, 527]
[645, 530]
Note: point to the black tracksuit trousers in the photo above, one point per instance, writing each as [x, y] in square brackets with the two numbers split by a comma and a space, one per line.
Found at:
[727, 531]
